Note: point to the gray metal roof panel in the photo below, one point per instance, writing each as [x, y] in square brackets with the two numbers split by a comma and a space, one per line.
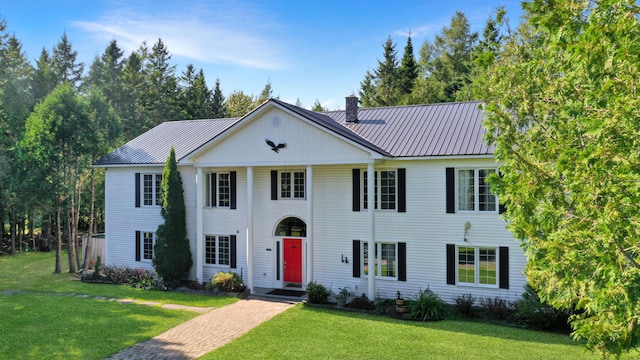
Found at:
[422, 130]
[446, 129]
[153, 146]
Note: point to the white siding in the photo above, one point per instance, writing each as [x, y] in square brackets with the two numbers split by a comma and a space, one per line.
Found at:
[306, 144]
[425, 227]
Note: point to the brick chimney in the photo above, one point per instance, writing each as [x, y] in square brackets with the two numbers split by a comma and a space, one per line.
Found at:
[352, 108]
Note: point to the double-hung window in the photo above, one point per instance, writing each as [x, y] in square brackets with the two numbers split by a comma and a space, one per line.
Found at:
[477, 266]
[152, 189]
[148, 241]
[385, 259]
[473, 190]
[292, 185]
[217, 250]
[218, 190]
[385, 192]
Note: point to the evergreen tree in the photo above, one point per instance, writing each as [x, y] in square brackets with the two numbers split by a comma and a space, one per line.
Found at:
[387, 76]
[44, 77]
[445, 64]
[161, 87]
[408, 69]
[132, 114]
[563, 112]
[172, 255]
[64, 63]
[317, 106]
[218, 102]
[106, 73]
[265, 94]
[196, 100]
[367, 90]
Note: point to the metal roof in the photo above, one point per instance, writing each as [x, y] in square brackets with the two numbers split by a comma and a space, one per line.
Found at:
[153, 146]
[446, 129]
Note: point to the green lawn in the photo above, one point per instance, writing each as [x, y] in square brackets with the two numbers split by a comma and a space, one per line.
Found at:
[39, 325]
[313, 333]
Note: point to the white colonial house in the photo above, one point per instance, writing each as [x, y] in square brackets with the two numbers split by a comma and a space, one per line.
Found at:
[377, 200]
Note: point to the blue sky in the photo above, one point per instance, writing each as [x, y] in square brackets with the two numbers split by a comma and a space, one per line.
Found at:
[308, 50]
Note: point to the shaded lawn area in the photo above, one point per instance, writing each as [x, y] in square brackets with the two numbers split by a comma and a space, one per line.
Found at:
[313, 333]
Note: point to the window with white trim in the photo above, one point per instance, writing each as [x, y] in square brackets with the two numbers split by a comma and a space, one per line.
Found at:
[477, 266]
[385, 259]
[218, 193]
[386, 190]
[148, 242]
[152, 189]
[217, 249]
[292, 185]
[474, 193]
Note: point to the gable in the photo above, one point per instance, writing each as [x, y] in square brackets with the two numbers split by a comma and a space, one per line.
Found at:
[306, 142]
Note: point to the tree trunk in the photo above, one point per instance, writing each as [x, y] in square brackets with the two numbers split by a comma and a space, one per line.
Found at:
[87, 248]
[21, 234]
[75, 223]
[58, 240]
[12, 228]
[32, 231]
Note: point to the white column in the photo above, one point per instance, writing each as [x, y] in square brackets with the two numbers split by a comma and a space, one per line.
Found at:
[249, 230]
[309, 185]
[200, 224]
[371, 214]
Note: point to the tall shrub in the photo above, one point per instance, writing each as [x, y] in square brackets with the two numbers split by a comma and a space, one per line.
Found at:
[172, 256]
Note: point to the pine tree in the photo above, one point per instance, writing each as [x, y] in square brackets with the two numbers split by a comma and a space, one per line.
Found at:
[172, 255]
[317, 106]
[218, 107]
[64, 63]
[386, 77]
[161, 87]
[239, 104]
[44, 77]
[408, 71]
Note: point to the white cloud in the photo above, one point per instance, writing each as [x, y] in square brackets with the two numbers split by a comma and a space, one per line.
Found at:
[239, 35]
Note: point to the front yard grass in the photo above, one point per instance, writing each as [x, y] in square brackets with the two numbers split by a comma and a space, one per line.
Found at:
[306, 332]
[37, 324]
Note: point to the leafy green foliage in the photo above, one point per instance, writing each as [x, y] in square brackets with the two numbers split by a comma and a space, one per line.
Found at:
[562, 109]
[427, 305]
[535, 314]
[317, 293]
[228, 281]
[172, 255]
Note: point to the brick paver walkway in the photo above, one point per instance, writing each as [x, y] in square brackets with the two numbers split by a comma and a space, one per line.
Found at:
[206, 332]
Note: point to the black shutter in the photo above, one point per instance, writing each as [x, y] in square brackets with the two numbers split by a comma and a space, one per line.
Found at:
[214, 189]
[232, 252]
[501, 207]
[232, 189]
[402, 190]
[137, 245]
[137, 190]
[355, 258]
[274, 185]
[402, 261]
[504, 267]
[451, 264]
[278, 260]
[451, 190]
[356, 189]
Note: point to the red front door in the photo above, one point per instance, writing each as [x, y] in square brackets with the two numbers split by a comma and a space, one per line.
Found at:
[292, 261]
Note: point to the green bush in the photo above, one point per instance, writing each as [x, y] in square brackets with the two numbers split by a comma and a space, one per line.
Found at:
[427, 306]
[534, 314]
[317, 293]
[362, 302]
[228, 281]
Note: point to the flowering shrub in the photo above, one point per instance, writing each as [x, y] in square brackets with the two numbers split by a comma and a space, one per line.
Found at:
[228, 281]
